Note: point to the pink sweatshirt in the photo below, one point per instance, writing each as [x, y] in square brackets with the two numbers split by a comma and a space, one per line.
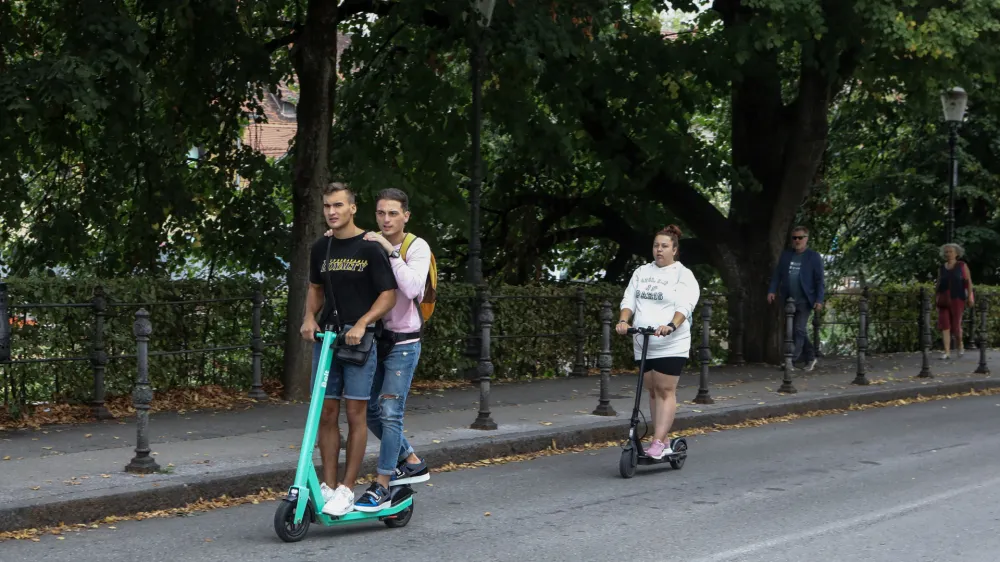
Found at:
[411, 277]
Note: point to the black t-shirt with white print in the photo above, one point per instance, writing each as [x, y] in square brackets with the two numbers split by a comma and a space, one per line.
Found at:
[356, 272]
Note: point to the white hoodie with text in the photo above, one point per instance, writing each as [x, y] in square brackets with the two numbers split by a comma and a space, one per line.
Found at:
[653, 295]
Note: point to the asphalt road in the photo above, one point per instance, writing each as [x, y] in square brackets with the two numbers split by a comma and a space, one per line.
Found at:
[913, 483]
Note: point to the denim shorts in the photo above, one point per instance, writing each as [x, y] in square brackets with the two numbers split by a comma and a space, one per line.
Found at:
[348, 381]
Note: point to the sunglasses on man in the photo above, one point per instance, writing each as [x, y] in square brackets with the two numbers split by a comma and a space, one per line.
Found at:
[799, 237]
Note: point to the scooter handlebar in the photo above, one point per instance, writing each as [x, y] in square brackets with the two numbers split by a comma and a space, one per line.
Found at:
[647, 331]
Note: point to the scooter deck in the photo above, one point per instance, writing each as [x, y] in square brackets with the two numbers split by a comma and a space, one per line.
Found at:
[358, 516]
[645, 460]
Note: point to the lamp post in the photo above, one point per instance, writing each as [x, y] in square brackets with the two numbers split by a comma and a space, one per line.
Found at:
[953, 101]
[483, 14]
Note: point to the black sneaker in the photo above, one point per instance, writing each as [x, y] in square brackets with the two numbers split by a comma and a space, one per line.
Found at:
[407, 473]
[375, 498]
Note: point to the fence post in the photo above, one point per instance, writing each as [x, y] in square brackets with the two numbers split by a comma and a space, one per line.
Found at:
[257, 345]
[703, 396]
[98, 357]
[580, 367]
[472, 343]
[142, 463]
[786, 381]
[984, 307]
[817, 325]
[485, 368]
[860, 378]
[4, 325]
[925, 334]
[604, 407]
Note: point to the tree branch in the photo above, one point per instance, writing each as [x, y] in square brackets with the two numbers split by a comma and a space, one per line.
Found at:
[288, 39]
[677, 195]
[351, 8]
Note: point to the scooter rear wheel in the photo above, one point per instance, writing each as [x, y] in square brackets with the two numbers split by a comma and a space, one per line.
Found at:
[628, 462]
[284, 522]
[400, 519]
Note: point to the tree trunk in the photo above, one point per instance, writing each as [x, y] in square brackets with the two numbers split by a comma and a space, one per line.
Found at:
[756, 328]
[314, 58]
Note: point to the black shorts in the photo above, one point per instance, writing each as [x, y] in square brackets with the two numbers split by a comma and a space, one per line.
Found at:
[667, 365]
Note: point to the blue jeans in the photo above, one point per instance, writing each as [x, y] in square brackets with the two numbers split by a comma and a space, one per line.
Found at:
[348, 381]
[393, 376]
[804, 350]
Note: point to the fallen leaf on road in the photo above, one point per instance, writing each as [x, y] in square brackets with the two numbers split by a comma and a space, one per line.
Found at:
[36, 487]
[88, 436]
[47, 448]
[264, 455]
[60, 538]
[7, 458]
[105, 476]
[208, 540]
[435, 441]
[545, 423]
[429, 484]
[487, 514]
[112, 527]
[291, 446]
[117, 437]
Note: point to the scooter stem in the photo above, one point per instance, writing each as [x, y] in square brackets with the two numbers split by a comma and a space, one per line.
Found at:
[642, 371]
[306, 482]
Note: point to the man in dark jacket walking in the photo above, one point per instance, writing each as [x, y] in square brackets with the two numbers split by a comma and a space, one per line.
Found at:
[799, 274]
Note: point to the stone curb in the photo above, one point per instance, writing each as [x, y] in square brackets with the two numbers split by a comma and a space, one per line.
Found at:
[93, 506]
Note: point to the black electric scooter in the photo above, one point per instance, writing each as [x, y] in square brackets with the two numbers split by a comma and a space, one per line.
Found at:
[632, 452]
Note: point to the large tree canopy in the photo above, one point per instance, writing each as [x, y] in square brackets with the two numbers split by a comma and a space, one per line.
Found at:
[603, 127]
[603, 121]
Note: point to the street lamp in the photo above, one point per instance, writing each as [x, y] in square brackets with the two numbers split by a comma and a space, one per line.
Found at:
[483, 11]
[953, 102]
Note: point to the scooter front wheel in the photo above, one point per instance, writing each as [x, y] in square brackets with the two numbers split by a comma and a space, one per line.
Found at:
[628, 462]
[284, 522]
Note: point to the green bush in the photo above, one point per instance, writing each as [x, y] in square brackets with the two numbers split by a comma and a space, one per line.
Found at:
[534, 332]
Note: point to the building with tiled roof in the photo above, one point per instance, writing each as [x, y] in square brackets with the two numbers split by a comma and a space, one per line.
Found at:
[273, 135]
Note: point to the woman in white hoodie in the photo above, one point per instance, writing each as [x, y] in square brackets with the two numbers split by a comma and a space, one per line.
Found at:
[662, 294]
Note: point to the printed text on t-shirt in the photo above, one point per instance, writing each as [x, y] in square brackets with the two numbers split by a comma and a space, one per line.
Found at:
[343, 264]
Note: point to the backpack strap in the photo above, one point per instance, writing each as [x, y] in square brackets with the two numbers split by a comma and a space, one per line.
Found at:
[408, 241]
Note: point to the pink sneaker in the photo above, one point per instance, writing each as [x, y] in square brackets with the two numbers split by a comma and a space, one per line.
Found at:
[657, 449]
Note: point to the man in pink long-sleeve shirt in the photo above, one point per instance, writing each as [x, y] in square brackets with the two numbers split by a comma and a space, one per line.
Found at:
[397, 463]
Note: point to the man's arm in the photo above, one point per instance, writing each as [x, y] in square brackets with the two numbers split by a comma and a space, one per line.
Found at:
[383, 304]
[820, 280]
[381, 277]
[314, 300]
[411, 275]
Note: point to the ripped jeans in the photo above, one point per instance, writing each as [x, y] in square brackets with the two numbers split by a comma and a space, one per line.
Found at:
[387, 403]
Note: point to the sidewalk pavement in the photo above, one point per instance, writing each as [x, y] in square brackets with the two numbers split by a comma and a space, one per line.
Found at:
[75, 473]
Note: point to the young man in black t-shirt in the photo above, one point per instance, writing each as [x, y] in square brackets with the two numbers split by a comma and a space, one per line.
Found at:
[357, 274]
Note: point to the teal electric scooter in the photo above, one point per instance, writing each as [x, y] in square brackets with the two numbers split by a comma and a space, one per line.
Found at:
[304, 503]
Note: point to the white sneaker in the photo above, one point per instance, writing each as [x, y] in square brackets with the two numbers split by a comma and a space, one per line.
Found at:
[811, 365]
[341, 503]
[326, 492]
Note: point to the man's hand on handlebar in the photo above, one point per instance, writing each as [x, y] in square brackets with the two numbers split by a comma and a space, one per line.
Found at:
[309, 329]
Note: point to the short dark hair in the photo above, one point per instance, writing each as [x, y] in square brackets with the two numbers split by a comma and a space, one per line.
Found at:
[393, 194]
[801, 229]
[336, 187]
